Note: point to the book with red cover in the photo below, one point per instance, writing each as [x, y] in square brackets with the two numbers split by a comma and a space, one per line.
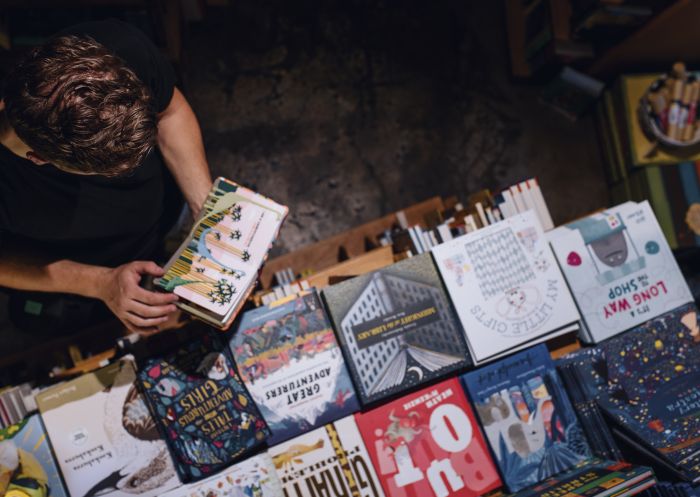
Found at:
[428, 444]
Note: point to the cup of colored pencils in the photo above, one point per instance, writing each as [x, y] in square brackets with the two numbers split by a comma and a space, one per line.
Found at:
[668, 111]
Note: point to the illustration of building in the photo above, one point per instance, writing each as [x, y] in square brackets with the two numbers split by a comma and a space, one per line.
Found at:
[433, 346]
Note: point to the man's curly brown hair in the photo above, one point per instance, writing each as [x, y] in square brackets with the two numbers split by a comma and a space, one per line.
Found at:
[77, 105]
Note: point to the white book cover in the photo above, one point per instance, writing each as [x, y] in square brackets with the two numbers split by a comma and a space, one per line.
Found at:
[333, 457]
[105, 440]
[221, 257]
[506, 285]
[620, 268]
[253, 477]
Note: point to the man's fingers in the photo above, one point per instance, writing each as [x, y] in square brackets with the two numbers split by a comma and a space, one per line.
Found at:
[141, 331]
[148, 267]
[151, 311]
[142, 322]
[152, 298]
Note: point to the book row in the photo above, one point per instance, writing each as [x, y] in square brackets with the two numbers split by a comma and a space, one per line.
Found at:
[519, 433]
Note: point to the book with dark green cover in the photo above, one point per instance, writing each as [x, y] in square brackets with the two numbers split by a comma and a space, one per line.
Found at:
[205, 413]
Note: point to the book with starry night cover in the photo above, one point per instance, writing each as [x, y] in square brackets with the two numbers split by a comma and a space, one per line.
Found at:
[26, 460]
[287, 355]
[429, 444]
[217, 265]
[527, 417]
[205, 413]
[648, 382]
[397, 328]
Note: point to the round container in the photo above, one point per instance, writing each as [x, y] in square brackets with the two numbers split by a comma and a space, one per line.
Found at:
[655, 134]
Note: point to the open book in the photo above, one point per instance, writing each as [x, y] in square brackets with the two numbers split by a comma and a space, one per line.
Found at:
[217, 265]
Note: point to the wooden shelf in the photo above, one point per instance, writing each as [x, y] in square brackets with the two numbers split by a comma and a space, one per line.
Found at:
[324, 254]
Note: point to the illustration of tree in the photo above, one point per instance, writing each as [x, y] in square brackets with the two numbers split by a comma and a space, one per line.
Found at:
[245, 256]
[235, 212]
[222, 293]
[235, 235]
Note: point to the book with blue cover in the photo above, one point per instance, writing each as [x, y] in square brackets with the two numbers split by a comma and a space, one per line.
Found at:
[27, 463]
[527, 417]
[648, 381]
[205, 413]
[287, 355]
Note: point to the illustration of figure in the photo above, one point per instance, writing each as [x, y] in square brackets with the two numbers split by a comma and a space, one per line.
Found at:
[214, 366]
[402, 430]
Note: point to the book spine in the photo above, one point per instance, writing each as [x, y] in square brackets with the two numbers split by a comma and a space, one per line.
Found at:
[520, 206]
[540, 204]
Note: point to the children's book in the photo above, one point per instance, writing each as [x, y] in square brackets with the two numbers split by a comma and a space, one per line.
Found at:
[253, 477]
[202, 408]
[27, 463]
[216, 267]
[287, 355]
[428, 443]
[527, 417]
[397, 328]
[104, 437]
[331, 461]
[620, 269]
[506, 286]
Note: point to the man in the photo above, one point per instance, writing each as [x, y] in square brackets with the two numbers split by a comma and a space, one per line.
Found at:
[91, 126]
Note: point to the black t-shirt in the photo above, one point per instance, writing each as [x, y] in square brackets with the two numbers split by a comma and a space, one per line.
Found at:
[92, 219]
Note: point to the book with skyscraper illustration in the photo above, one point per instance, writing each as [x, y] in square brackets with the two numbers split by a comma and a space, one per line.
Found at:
[26, 461]
[397, 328]
[287, 355]
[217, 265]
[527, 417]
[620, 269]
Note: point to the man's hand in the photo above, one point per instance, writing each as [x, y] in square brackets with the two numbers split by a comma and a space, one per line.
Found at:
[140, 310]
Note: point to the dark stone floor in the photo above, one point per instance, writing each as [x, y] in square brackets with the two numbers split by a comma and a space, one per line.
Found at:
[348, 109]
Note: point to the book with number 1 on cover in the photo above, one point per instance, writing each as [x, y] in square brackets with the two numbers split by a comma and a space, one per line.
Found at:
[217, 265]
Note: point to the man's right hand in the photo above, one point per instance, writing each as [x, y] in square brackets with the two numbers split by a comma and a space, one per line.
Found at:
[140, 310]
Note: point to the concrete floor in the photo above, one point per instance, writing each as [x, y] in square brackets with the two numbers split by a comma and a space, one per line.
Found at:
[346, 110]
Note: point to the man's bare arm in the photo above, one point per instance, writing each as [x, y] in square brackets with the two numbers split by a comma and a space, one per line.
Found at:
[180, 142]
[140, 310]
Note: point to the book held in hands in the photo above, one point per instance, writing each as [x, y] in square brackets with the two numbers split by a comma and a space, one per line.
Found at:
[217, 265]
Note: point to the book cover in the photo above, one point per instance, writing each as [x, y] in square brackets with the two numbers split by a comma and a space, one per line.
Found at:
[620, 269]
[217, 265]
[506, 286]
[253, 477]
[397, 328]
[653, 385]
[287, 355]
[207, 417]
[104, 437]
[26, 460]
[429, 444]
[527, 417]
[331, 461]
